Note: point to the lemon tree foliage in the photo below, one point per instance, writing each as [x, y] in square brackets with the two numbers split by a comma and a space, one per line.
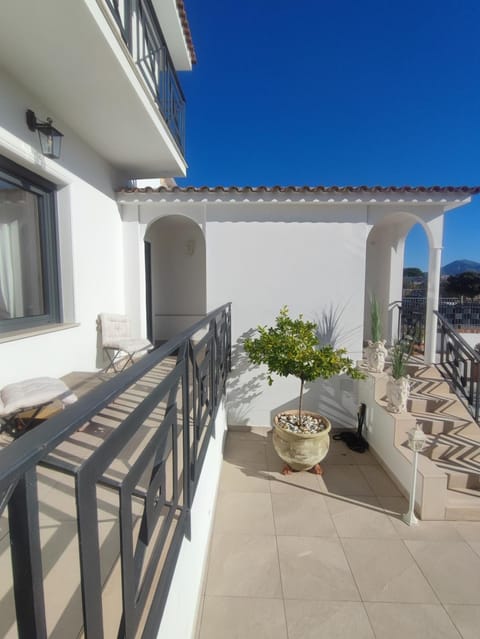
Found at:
[291, 347]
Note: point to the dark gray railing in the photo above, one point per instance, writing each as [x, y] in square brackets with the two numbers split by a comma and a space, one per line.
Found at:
[140, 437]
[141, 32]
[461, 364]
[458, 312]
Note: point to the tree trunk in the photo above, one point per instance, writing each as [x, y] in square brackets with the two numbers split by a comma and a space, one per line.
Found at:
[300, 403]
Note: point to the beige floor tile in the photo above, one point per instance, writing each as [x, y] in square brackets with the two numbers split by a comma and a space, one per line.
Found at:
[362, 517]
[8, 626]
[466, 618]
[379, 481]
[242, 452]
[469, 530]
[426, 530]
[243, 618]
[415, 621]
[302, 483]
[302, 514]
[385, 571]
[452, 568]
[393, 505]
[237, 479]
[243, 566]
[249, 513]
[315, 568]
[250, 433]
[475, 546]
[345, 480]
[328, 619]
[339, 453]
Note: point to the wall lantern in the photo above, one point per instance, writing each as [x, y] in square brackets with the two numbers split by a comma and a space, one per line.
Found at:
[50, 137]
[416, 442]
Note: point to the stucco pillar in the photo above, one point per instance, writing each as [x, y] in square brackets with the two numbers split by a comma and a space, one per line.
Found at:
[134, 270]
[434, 263]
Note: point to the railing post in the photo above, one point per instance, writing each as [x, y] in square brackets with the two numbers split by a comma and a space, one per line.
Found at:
[26, 558]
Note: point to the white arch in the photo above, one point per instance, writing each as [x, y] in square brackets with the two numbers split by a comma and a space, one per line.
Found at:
[384, 269]
[177, 274]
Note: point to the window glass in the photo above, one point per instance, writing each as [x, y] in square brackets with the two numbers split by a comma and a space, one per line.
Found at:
[28, 250]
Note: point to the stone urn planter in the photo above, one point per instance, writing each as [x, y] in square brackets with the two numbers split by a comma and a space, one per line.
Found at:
[398, 385]
[301, 449]
[398, 390]
[376, 355]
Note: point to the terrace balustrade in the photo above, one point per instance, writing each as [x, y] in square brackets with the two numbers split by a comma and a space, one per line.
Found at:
[139, 28]
[461, 365]
[133, 447]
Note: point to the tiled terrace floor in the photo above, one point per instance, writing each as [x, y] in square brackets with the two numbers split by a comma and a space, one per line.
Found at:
[307, 557]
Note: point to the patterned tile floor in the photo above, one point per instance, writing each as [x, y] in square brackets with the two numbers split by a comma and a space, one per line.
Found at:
[304, 557]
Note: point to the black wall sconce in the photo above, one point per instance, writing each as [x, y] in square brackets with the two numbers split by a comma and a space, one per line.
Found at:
[50, 137]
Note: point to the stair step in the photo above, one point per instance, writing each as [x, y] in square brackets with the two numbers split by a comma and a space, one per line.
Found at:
[457, 453]
[435, 425]
[462, 505]
[427, 404]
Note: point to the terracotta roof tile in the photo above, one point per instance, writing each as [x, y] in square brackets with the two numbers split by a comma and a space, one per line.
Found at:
[459, 190]
[186, 30]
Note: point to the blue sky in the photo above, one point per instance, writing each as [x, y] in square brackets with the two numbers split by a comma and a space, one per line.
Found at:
[339, 92]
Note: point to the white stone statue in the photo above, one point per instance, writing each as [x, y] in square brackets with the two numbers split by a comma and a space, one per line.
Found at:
[376, 355]
[397, 394]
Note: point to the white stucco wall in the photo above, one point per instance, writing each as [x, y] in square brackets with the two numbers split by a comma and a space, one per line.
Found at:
[183, 603]
[472, 339]
[310, 258]
[90, 238]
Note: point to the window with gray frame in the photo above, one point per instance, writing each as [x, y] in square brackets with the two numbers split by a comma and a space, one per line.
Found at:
[29, 282]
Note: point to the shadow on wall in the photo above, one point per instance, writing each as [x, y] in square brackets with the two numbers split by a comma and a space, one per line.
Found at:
[336, 398]
[329, 328]
[244, 383]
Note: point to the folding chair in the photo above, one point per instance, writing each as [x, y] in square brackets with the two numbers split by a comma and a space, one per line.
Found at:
[25, 404]
[117, 342]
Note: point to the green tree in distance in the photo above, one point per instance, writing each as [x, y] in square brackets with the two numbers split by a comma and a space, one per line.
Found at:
[466, 284]
[412, 271]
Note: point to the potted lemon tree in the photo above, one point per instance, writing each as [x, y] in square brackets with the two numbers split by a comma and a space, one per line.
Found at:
[291, 347]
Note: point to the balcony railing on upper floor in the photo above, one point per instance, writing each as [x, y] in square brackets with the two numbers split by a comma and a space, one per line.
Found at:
[141, 32]
[99, 496]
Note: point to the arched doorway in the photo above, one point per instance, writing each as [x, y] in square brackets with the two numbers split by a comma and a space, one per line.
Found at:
[175, 276]
[385, 261]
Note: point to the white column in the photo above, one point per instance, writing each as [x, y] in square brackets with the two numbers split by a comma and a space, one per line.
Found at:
[134, 269]
[434, 264]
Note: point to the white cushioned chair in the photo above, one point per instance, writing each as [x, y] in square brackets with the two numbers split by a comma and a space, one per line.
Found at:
[118, 343]
[23, 404]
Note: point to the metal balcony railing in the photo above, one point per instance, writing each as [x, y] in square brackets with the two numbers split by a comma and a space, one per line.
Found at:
[138, 442]
[461, 365]
[141, 32]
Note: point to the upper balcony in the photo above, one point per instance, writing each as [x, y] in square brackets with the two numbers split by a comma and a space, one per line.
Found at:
[106, 69]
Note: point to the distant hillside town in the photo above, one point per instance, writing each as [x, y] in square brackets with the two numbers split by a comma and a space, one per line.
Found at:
[459, 301]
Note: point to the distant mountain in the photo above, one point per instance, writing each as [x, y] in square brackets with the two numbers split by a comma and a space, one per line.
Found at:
[460, 266]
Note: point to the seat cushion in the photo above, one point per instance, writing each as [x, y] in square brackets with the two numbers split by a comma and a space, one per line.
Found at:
[132, 345]
[33, 392]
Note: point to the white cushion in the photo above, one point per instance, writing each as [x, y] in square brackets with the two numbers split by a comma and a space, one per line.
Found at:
[114, 327]
[33, 392]
[132, 345]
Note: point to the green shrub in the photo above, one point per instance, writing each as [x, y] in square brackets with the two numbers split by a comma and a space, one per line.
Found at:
[291, 347]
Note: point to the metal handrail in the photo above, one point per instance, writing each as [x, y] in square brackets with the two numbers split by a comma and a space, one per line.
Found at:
[189, 393]
[139, 28]
[461, 364]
